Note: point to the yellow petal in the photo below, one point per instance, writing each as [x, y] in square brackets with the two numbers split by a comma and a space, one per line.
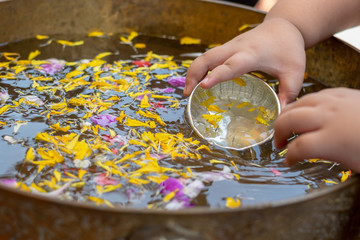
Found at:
[239, 82]
[136, 142]
[112, 133]
[203, 147]
[213, 119]
[57, 175]
[70, 175]
[212, 161]
[329, 181]
[212, 45]
[11, 56]
[132, 35]
[243, 104]
[214, 108]
[82, 150]
[136, 123]
[170, 195]
[4, 108]
[110, 188]
[81, 173]
[243, 27]
[189, 41]
[157, 179]
[96, 34]
[34, 54]
[102, 55]
[19, 69]
[43, 136]
[209, 101]
[232, 203]
[58, 128]
[186, 63]
[77, 184]
[41, 37]
[138, 181]
[233, 163]
[140, 45]
[37, 188]
[71, 44]
[99, 201]
[30, 155]
[345, 175]
[145, 102]
[259, 120]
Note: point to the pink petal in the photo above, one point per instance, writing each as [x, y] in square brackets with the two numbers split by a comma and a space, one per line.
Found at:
[102, 180]
[116, 139]
[276, 172]
[53, 66]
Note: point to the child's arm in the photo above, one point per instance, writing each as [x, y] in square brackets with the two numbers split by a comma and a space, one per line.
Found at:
[277, 45]
[317, 19]
[265, 5]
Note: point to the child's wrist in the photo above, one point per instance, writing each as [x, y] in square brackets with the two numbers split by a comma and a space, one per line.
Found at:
[287, 27]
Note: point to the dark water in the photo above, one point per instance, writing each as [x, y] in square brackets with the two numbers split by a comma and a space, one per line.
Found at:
[254, 176]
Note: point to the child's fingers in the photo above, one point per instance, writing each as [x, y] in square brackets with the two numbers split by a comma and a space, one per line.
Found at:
[201, 65]
[233, 67]
[307, 146]
[288, 91]
[290, 84]
[196, 72]
[299, 121]
[309, 100]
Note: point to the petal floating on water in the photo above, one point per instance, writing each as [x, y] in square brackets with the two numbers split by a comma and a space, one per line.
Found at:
[177, 81]
[104, 120]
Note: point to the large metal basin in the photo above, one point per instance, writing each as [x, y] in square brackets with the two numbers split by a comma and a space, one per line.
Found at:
[331, 213]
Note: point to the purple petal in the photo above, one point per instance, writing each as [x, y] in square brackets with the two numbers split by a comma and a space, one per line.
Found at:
[177, 81]
[10, 182]
[158, 156]
[130, 193]
[133, 194]
[170, 185]
[165, 90]
[104, 120]
[180, 200]
[140, 97]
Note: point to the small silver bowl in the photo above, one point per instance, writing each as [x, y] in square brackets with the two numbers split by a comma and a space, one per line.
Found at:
[236, 114]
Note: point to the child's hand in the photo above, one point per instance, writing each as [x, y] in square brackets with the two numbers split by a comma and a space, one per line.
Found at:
[328, 124]
[275, 47]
